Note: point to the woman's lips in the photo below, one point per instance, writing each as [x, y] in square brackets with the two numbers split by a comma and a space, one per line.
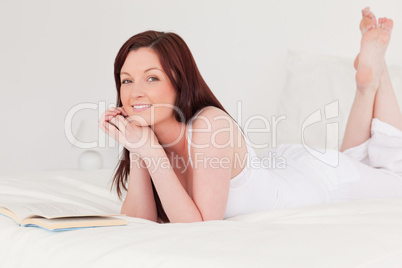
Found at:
[141, 107]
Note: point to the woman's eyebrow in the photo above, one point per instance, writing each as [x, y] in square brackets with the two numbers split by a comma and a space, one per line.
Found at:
[124, 73]
[147, 70]
[152, 68]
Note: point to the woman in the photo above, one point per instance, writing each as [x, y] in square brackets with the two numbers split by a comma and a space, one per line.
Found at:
[167, 117]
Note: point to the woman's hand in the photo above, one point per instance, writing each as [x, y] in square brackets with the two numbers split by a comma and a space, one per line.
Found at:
[136, 139]
[109, 114]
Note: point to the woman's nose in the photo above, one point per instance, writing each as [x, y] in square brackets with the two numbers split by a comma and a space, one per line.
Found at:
[137, 90]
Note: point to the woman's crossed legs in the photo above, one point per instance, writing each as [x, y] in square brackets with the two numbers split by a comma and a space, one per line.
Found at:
[375, 97]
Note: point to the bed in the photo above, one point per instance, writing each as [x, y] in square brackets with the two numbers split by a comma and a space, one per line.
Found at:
[363, 233]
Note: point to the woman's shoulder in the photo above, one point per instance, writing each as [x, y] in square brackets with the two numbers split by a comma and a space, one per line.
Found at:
[213, 126]
[210, 116]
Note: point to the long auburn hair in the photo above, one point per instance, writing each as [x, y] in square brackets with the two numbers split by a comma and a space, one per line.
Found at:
[192, 92]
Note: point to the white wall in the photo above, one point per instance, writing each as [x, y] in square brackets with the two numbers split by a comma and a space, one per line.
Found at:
[57, 54]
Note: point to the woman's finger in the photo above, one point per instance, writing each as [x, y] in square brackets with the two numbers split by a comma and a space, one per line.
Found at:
[104, 122]
[116, 123]
[115, 133]
[114, 112]
[103, 125]
[108, 114]
[122, 122]
[112, 130]
[123, 111]
[101, 121]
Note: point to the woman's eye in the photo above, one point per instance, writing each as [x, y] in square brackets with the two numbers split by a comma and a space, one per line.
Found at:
[126, 81]
[152, 79]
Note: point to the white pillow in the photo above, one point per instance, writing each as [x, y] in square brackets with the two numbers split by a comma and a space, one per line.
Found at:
[314, 84]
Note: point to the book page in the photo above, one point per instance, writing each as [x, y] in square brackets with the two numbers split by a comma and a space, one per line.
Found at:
[70, 223]
[8, 213]
[48, 209]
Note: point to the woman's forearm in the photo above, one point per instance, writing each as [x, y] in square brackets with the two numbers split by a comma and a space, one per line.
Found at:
[178, 205]
[140, 200]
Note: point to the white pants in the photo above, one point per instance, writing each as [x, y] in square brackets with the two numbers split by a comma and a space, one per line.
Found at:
[379, 163]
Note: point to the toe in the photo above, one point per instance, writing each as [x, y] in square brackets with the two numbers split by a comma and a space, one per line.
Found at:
[371, 16]
[365, 11]
[388, 24]
[368, 22]
[380, 22]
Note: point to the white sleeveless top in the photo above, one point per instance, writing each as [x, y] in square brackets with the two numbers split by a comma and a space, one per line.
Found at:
[302, 181]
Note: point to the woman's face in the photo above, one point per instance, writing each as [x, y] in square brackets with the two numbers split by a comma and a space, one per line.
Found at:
[146, 92]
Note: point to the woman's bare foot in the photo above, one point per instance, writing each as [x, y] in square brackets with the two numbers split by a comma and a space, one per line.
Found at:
[366, 24]
[375, 40]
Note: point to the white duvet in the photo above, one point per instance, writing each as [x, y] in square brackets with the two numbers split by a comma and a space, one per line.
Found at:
[365, 233]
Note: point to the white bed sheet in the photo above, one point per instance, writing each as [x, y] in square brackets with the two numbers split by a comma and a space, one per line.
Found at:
[365, 233]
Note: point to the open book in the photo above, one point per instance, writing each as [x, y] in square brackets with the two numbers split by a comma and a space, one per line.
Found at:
[56, 216]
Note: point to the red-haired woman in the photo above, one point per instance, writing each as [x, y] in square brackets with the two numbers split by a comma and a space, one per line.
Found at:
[186, 160]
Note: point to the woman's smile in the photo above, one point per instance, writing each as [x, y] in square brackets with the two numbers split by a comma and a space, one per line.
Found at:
[141, 107]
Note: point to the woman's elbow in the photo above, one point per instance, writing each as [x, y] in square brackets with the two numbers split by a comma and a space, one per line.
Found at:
[131, 212]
